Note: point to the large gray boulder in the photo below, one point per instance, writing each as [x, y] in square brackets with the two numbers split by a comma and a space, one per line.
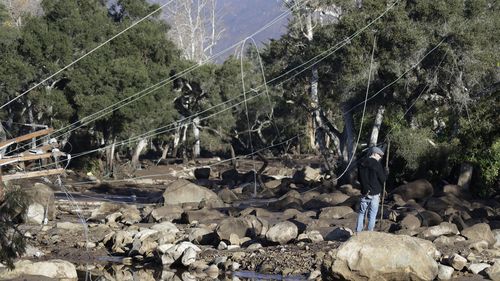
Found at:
[282, 232]
[336, 212]
[383, 256]
[184, 191]
[56, 269]
[444, 228]
[41, 207]
[238, 226]
[417, 190]
[480, 231]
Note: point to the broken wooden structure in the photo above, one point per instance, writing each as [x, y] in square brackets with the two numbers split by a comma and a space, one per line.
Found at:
[46, 151]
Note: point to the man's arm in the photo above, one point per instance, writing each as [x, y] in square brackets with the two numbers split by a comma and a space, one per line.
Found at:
[381, 176]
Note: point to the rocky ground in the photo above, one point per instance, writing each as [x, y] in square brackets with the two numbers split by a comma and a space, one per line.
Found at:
[177, 223]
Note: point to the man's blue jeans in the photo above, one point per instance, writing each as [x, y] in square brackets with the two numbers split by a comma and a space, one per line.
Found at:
[370, 203]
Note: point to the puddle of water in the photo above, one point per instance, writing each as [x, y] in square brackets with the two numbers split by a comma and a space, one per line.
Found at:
[251, 275]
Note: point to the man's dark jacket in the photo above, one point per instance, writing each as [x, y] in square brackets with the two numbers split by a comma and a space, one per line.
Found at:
[371, 176]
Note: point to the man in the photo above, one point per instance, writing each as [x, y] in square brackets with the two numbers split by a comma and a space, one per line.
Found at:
[372, 177]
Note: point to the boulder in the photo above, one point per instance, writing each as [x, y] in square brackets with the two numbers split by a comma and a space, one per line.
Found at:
[130, 215]
[202, 236]
[165, 227]
[339, 234]
[336, 212]
[480, 231]
[382, 256]
[282, 232]
[457, 261]
[227, 196]
[104, 210]
[429, 218]
[35, 213]
[55, 269]
[496, 233]
[43, 195]
[205, 215]
[260, 226]
[184, 191]
[238, 226]
[445, 272]
[202, 173]
[444, 228]
[313, 236]
[417, 190]
[494, 271]
[410, 222]
[476, 268]
[167, 213]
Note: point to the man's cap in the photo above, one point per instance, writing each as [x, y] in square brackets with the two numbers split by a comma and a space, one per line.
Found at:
[377, 150]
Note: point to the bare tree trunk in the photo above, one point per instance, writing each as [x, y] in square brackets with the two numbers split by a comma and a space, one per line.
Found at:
[376, 126]
[196, 133]
[110, 157]
[164, 151]
[3, 137]
[465, 177]
[137, 151]
[348, 132]
[177, 140]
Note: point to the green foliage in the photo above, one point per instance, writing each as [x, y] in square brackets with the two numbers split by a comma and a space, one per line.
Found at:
[12, 241]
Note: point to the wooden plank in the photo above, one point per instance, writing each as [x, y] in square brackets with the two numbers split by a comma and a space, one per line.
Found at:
[43, 148]
[25, 137]
[34, 174]
[21, 158]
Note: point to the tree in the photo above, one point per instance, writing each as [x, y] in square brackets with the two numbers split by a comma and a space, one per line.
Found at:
[196, 27]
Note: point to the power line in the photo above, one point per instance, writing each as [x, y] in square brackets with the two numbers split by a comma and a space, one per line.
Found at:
[162, 83]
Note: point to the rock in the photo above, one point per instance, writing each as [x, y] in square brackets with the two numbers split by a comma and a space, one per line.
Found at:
[254, 247]
[202, 173]
[480, 231]
[202, 236]
[410, 222]
[339, 234]
[43, 195]
[444, 228]
[260, 226]
[282, 232]
[457, 261]
[445, 272]
[313, 236]
[382, 256]
[417, 190]
[494, 271]
[336, 212]
[121, 240]
[430, 218]
[227, 195]
[184, 191]
[205, 215]
[238, 226]
[103, 211]
[35, 213]
[314, 275]
[145, 233]
[56, 269]
[496, 233]
[188, 256]
[429, 248]
[288, 201]
[273, 184]
[130, 215]
[167, 213]
[165, 227]
[306, 174]
[32, 252]
[230, 177]
[349, 190]
[479, 246]
[448, 240]
[478, 267]
[70, 226]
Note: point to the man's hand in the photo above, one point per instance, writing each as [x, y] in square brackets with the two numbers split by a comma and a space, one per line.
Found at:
[386, 170]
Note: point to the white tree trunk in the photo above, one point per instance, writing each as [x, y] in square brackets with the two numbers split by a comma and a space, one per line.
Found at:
[348, 150]
[196, 134]
[110, 157]
[465, 177]
[376, 125]
[137, 152]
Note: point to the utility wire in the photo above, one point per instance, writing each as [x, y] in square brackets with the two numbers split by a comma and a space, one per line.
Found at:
[158, 85]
